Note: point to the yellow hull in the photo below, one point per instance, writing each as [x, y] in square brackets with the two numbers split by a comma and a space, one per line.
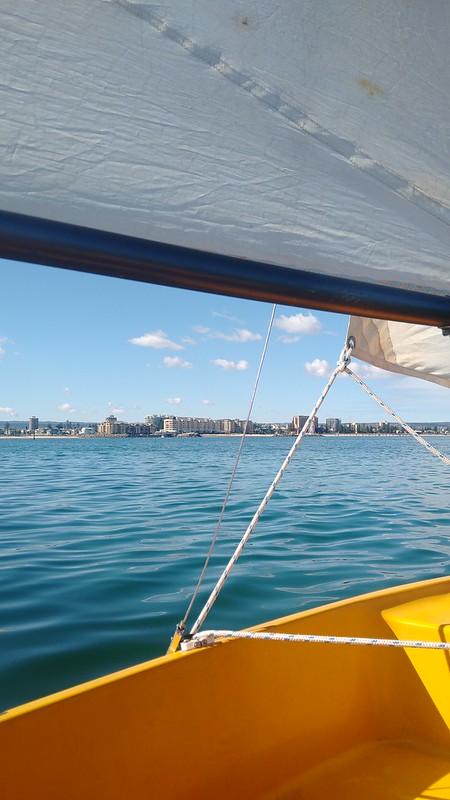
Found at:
[249, 719]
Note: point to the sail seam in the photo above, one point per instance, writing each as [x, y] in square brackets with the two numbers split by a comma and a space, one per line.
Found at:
[274, 100]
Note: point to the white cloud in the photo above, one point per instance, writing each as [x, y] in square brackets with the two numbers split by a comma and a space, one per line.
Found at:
[322, 369]
[174, 400]
[158, 340]
[230, 365]
[238, 335]
[288, 339]
[66, 390]
[318, 367]
[7, 410]
[368, 371]
[225, 316]
[118, 410]
[188, 340]
[176, 361]
[67, 407]
[207, 402]
[298, 324]
[4, 340]
[241, 335]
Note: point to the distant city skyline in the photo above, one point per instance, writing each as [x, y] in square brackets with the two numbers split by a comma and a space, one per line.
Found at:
[158, 422]
[174, 425]
[79, 347]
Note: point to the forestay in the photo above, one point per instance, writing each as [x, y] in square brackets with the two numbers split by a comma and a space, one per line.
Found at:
[312, 135]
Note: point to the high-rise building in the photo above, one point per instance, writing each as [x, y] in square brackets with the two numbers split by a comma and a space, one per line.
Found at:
[229, 426]
[111, 426]
[333, 425]
[299, 421]
[154, 419]
[33, 424]
[200, 425]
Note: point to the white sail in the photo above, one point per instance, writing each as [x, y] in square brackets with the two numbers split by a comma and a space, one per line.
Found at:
[415, 350]
[312, 135]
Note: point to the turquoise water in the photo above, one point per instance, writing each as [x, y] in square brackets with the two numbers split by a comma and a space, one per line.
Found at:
[101, 541]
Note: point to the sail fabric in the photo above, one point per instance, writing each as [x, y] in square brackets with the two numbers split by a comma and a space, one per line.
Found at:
[311, 135]
[415, 350]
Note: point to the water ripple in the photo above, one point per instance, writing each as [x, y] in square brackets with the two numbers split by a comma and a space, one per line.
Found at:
[102, 541]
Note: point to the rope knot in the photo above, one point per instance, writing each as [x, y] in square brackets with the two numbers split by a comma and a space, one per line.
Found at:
[345, 357]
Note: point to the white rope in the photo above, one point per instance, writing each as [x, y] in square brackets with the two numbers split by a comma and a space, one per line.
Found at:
[181, 626]
[342, 366]
[404, 425]
[306, 427]
[208, 636]
[236, 464]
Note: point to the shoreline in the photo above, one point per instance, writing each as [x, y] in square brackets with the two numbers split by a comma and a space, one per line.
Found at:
[227, 436]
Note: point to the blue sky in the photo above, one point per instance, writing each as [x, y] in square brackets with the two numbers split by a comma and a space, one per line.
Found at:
[79, 347]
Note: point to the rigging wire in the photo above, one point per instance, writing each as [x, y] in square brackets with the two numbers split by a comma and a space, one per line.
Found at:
[192, 640]
[340, 367]
[404, 425]
[181, 627]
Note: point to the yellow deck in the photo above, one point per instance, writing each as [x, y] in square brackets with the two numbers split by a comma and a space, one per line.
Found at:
[388, 770]
[245, 719]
